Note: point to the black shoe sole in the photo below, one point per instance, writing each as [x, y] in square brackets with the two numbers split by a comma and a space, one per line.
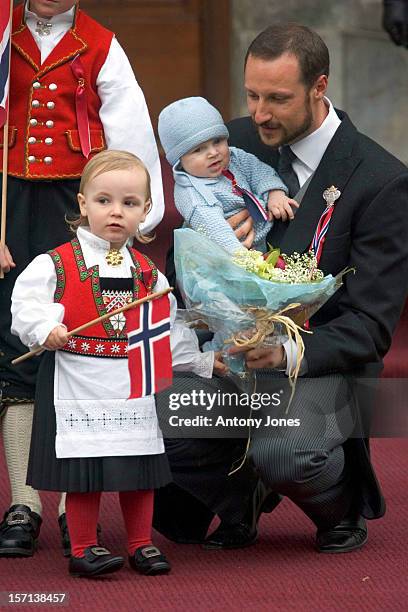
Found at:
[214, 546]
[339, 551]
[161, 567]
[17, 551]
[108, 568]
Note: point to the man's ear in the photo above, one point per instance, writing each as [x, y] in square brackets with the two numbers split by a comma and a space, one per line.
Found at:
[82, 204]
[320, 87]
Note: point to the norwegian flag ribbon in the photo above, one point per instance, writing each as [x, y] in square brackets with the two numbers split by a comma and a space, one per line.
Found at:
[149, 353]
[321, 231]
[5, 43]
[330, 195]
[255, 208]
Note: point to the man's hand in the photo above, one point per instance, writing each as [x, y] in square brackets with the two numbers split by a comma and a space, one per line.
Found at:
[273, 357]
[395, 21]
[245, 229]
[57, 338]
[280, 206]
[219, 368]
[6, 260]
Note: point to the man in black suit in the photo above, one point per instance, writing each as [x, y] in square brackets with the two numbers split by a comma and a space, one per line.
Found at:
[324, 466]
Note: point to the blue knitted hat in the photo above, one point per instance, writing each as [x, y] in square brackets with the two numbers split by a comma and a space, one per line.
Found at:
[186, 123]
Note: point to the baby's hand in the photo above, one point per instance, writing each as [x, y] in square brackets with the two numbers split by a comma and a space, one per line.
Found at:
[280, 206]
[57, 338]
[219, 368]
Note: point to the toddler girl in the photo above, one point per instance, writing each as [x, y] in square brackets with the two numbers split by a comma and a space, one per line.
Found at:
[86, 437]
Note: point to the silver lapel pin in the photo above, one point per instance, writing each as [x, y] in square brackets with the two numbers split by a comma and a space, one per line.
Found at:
[331, 194]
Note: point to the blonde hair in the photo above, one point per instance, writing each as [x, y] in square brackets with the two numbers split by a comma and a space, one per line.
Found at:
[106, 161]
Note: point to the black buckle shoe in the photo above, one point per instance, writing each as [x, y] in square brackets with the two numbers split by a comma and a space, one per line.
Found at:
[148, 560]
[350, 534]
[231, 535]
[244, 533]
[19, 532]
[96, 562]
[66, 540]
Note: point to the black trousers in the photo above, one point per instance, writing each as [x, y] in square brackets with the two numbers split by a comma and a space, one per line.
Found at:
[305, 462]
[201, 459]
[36, 222]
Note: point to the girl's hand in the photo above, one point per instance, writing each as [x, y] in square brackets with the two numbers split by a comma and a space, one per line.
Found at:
[273, 357]
[245, 229]
[57, 338]
[280, 206]
[6, 260]
[219, 368]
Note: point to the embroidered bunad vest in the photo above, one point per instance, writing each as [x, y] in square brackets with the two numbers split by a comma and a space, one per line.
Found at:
[78, 289]
[96, 418]
[43, 131]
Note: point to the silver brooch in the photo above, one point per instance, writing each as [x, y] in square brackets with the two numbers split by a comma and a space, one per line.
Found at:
[331, 194]
[43, 28]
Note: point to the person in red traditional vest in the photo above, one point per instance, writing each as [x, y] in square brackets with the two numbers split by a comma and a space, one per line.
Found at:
[72, 93]
[88, 436]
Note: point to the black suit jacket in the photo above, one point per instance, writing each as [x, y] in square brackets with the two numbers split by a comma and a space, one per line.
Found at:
[368, 232]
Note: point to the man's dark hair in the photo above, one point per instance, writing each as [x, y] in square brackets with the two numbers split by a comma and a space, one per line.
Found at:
[307, 46]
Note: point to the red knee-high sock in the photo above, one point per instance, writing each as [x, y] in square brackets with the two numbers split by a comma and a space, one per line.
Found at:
[82, 510]
[137, 509]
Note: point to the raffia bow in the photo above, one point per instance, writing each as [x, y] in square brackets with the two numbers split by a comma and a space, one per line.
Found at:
[265, 322]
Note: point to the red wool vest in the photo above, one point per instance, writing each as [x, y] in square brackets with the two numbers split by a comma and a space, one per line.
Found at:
[78, 289]
[43, 132]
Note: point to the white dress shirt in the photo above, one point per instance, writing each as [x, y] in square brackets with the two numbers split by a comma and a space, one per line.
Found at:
[310, 149]
[124, 114]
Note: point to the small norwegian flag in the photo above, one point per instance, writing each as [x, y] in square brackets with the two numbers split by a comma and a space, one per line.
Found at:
[5, 43]
[149, 353]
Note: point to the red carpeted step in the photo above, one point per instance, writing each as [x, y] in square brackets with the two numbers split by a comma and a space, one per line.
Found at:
[281, 572]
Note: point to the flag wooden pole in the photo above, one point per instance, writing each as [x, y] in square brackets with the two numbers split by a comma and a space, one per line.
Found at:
[148, 298]
[5, 163]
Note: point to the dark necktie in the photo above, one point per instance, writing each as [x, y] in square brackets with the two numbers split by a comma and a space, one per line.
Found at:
[285, 170]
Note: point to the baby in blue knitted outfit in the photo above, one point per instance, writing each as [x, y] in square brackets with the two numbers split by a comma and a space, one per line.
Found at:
[211, 177]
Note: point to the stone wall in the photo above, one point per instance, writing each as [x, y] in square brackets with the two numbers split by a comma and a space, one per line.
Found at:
[369, 74]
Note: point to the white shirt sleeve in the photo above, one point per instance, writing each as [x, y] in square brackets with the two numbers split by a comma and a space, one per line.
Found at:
[186, 354]
[291, 352]
[34, 313]
[127, 124]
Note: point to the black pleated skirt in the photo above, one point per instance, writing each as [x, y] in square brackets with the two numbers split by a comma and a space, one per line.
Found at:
[84, 475]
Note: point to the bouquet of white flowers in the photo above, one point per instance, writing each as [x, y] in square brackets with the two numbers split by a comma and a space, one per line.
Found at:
[249, 298]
